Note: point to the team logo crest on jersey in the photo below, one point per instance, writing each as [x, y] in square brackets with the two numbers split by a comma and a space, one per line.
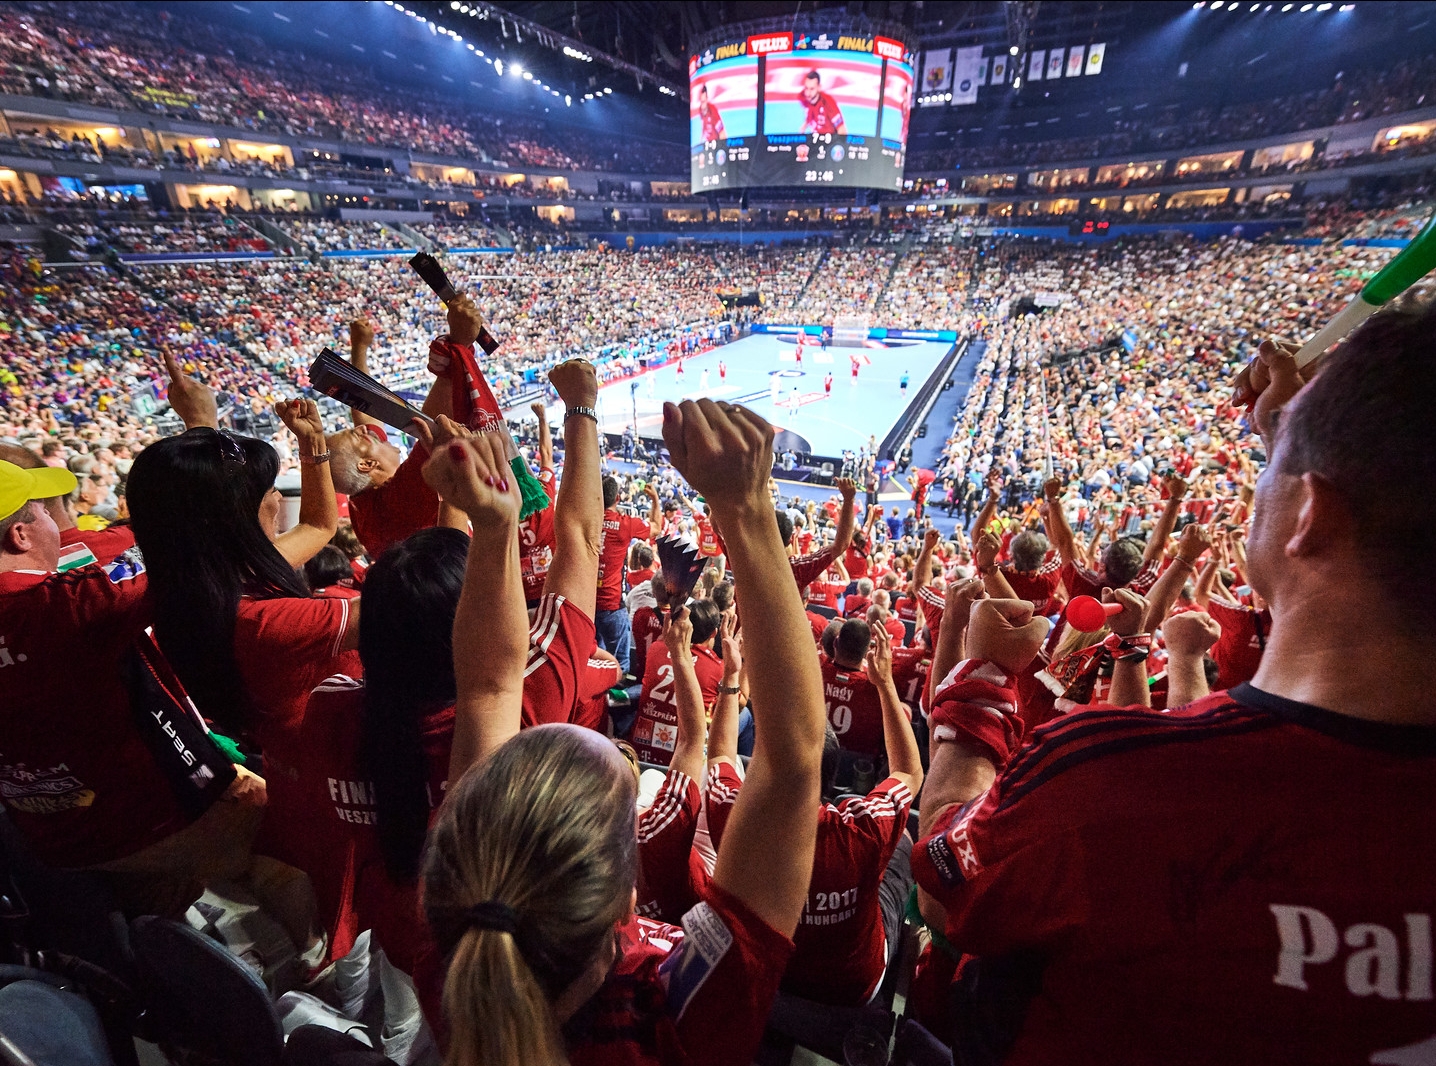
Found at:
[706, 939]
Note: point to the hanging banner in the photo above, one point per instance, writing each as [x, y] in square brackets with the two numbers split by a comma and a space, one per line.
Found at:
[999, 70]
[1075, 55]
[984, 66]
[1036, 64]
[965, 70]
[1055, 60]
[937, 71]
[1094, 58]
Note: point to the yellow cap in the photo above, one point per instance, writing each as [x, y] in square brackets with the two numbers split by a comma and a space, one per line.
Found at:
[19, 486]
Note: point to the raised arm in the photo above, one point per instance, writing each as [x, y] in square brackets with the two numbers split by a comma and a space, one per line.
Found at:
[1166, 521]
[922, 569]
[904, 760]
[578, 511]
[318, 509]
[1191, 545]
[993, 579]
[189, 398]
[688, 748]
[1054, 522]
[491, 639]
[545, 438]
[847, 519]
[1129, 673]
[361, 339]
[766, 858]
[655, 512]
[1189, 635]
[989, 508]
[723, 729]
[952, 634]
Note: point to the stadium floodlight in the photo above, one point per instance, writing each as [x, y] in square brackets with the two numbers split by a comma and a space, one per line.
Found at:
[1012, 51]
[1017, 82]
[526, 75]
[1199, 5]
[1305, 8]
[568, 101]
[1286, 7]
[948, 97]
[1347, 7]
[499, 67]
[608, 90]
[1253, 7]
[453, 5]
[1323, 7]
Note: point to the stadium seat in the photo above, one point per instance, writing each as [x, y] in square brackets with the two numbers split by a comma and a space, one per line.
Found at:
[818, 1028]
[915, 1046]
[46, 1021]
[206, 1000]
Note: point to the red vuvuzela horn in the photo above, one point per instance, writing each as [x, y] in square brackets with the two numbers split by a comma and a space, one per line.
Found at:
[1090, 615]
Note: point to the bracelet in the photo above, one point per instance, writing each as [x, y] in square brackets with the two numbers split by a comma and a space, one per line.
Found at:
[725, 690]
[1185, 562]
[314, 460]
[586, 412]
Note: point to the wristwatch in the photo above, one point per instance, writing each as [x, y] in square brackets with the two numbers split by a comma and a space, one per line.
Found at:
[727, 690]
[587, 412]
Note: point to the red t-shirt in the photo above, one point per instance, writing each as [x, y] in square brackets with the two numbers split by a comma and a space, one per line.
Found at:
[536, 541]
[78, 780]
[932, 605]
[826, 593]
[647, 630]
[665, 839]
[840, 954]
[1083, 582]
[808, 568]
[619, 530]
[284, 647]
[703, 1000]
[710, 544]
[856, 606]
[557, 675]
[1220, 877]
[854, 709]
[906, 609]
[897, 632]
[403, 505]
[638, 577]
[103, 546]
[332, 818]
[910, 670]
[823, 114]
[1039, 586]
[855, 561]
[655, 730]
[1238, 651]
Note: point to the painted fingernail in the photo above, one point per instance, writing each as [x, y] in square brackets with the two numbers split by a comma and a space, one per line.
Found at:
[457, 451]
[504, 485]
[489, 481]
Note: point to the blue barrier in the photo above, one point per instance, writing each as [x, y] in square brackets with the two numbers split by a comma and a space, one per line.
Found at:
[1375, 242]
[163, 257]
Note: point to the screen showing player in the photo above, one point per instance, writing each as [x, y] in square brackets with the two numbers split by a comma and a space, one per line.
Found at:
[808, 93]
[723, 101]
[897, 101]
[798, 108]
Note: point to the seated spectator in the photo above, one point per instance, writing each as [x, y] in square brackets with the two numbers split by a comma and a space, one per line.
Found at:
[854, 703]
[655, 731]
[330, 574]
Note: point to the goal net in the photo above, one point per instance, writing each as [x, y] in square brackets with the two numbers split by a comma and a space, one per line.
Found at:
[850, 331]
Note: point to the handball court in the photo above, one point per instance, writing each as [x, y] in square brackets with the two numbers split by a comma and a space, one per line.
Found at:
[830, 423]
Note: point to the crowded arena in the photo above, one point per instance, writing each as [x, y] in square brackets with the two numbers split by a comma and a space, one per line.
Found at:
[978, 450]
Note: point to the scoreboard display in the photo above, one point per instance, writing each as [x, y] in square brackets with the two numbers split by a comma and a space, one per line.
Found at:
[793, 109]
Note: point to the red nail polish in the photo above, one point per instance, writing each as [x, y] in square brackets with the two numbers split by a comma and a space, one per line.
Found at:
[504, 485]
[489, 481]
[457, 451]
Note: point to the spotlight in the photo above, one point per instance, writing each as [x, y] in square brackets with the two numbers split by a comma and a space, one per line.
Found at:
[1253, 7]
[1305, 8]
[526, 75]
[1323, 7]
[1012, 51]
[454, 5]
[1199, 5]
[1017, 82]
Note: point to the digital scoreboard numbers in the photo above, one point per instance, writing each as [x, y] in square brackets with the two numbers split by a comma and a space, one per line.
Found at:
[795, 109]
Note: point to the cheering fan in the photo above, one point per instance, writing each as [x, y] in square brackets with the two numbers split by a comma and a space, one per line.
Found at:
[474, 402]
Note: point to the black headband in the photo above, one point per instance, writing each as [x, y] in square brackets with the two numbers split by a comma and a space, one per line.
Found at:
[494, 915]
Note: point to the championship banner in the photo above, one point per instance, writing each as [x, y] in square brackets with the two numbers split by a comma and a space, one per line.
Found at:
[965, 70]
[1036, 64]
[999, 70]
[983, 66]
[1055, 60]
[937, 71]
[1094, 58]
[1075, 55]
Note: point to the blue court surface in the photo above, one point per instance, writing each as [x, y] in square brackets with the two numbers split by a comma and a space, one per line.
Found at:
[830, 423]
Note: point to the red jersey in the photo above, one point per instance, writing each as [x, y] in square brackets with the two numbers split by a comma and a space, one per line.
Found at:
[647, 631]
[1220, 878]
[808, 568]
[76, 777]
[655, 730]
[619, 530]
[536, 541]
[823, 114]
[932, 604]
[103, 546]
[638, 577]
[854, 709]
[333, 813]
[840, 944]
[557, 676]
[702, 1000]
[906, 609]
[712, 123]
[1038, 586]
[910, 670]
[826, 593]
[855, 561]
[284, 647]
[709, 542]
[897, 632]
[1083, 582]
[1238, 651]
[665, 840]
[387, 513]
[856, 606]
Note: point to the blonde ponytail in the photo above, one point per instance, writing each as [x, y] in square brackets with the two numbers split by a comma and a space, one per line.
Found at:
[498, 1013]
[530, 865]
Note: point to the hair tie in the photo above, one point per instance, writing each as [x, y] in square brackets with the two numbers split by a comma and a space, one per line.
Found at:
[492, 914]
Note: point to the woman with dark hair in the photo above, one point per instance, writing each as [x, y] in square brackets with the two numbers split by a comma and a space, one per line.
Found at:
[530, 874]
[329, 574]
[376, 752]
[231, 613]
